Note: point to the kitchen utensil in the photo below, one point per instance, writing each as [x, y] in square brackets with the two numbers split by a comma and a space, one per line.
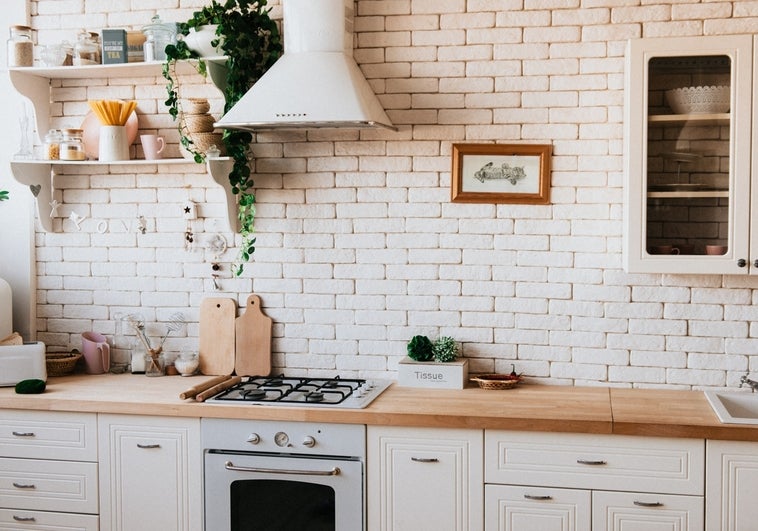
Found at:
[253, 340]
[216, 351]
[194, 390]
[175, 323]
[233, 380]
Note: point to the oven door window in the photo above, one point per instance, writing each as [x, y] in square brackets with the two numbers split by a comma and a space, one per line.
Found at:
[287, 504]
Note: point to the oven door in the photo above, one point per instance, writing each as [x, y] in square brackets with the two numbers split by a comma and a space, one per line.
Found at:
[261, 492]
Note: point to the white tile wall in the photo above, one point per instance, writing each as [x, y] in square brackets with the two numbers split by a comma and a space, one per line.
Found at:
[359, 247]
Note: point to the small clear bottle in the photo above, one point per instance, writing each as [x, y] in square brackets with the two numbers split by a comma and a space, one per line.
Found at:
[20, 46]
[155, 364]
[72, 146]
[53, 140]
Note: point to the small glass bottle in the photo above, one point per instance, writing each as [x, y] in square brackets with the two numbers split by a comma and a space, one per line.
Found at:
[20, 46]
[72, 146]
[53, 144]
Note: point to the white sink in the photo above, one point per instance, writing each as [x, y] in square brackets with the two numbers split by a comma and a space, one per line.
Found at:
[734, 408]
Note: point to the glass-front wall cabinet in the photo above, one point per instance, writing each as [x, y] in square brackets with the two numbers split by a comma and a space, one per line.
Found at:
[687, 146]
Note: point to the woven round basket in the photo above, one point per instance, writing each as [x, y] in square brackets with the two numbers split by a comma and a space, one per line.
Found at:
[496, 381]
[196, 106]
[61, 364]
[199, 123]
[203, 141]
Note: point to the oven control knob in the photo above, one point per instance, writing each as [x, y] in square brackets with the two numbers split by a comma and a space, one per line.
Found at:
[309, 442]
[253, 438]
[281, 439]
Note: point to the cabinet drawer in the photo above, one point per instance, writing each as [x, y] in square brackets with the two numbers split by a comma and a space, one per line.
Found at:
[509, 508]
[610, 462]
[633, 510]
[44, 435]
[64, 486]
[16, 519]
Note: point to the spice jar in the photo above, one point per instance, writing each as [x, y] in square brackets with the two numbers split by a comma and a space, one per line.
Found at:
[86, 51]
[72, 146]
[20, 46]
[157, 36]
[53, 144]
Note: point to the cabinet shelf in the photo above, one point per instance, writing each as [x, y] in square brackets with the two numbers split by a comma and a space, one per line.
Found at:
[690, 119]
[39, 175]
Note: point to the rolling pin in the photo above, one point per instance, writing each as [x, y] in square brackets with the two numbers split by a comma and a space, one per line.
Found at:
[218, 388]
[193, 391]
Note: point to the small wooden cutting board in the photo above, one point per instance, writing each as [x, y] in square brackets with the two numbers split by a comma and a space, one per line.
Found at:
[253, 342]
[216, 355]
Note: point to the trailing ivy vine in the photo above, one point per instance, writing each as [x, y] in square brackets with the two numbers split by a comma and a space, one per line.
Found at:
[251, 43]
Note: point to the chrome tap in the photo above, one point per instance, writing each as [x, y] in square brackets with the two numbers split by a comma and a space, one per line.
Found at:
[752, 383]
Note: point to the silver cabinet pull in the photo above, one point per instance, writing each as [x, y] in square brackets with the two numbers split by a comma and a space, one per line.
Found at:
[647, 504]
[24, 518]
[23, 433]
[537, 497]
[591, 462]
[24, 485]
[148, 446]
[425, 459]
[333, 472]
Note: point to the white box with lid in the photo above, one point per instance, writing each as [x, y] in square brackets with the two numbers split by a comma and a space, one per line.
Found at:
[432, 374]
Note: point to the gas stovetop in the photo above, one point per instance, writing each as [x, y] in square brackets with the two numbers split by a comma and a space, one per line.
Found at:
[346, 393]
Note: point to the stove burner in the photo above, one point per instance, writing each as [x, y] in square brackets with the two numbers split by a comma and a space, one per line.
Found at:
[277, 381]
[314, 396]
[254, 394]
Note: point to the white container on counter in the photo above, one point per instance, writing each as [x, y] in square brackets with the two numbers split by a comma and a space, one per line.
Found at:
[6, 309]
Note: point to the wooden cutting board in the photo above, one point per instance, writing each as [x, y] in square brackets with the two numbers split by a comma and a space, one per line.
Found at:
[253, 343]
[217, 316]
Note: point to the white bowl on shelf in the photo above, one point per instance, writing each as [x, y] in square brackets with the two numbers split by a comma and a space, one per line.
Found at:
[699, 100]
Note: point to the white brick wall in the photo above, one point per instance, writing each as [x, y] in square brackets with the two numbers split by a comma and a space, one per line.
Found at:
[359, 247]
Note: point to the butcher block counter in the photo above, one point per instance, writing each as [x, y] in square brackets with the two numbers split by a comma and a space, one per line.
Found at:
[663, 413]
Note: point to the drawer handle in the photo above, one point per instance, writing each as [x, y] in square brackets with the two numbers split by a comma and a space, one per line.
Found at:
[148, 446]
[647, 504]
[591, 462]
[24, 518]
[537, 497]
[24, 485]
[23, 433]
[425, 459]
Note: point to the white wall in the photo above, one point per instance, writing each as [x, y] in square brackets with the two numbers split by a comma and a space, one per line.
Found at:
[359, 247]
[16, 221]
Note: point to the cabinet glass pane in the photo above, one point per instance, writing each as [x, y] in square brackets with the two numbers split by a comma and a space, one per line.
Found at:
[688, 155]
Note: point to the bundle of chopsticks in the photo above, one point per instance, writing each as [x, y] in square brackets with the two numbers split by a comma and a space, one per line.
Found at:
[112, 112]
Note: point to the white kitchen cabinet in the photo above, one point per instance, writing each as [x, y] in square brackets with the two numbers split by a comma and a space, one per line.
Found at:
[519, 508]
[39, 175]
[424, 478]
[731, 485]
[150, 473]
[599, 482]
[689, 172]
[48, 471]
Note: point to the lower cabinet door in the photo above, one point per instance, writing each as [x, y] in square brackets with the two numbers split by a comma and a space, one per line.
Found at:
[630, 511]
[519, 508]
[732, 486]
[17, 519]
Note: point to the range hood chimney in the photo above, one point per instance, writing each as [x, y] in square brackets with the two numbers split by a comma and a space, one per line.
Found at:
[316, 82]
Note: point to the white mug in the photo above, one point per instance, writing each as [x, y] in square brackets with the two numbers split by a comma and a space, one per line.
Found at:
[152, 145]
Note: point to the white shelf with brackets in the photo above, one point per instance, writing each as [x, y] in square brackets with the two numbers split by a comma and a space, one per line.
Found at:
[39, 175]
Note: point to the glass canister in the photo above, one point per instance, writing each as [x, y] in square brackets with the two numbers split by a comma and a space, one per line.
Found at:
[86, 51]
[155, 364]
[72, 146]
[158, 35]
[20, 46]
[53, 140]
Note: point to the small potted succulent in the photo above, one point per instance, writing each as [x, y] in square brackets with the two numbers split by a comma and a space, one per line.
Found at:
[433, 364]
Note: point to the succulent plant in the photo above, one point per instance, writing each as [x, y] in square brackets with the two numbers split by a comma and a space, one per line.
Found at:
[420, 348]
[445, 349]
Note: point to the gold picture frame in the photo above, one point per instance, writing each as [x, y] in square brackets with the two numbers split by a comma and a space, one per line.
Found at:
[501, 173]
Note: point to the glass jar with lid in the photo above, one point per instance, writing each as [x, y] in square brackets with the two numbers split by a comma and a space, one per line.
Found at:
[53, 144]
[72, 145]
[158, 35]
[20, 46]
[86, 50]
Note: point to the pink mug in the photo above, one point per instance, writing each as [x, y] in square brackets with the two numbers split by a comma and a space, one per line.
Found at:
[152, 145]
[97, 353]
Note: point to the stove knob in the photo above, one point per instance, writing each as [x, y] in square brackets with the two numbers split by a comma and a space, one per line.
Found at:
[254, 438]
[309, 442]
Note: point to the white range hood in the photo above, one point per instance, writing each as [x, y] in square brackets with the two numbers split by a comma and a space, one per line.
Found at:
[316, 82]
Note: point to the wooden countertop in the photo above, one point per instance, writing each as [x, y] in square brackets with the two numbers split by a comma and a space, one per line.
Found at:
[661, 413]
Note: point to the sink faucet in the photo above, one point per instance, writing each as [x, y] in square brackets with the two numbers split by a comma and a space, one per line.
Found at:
[752, 383]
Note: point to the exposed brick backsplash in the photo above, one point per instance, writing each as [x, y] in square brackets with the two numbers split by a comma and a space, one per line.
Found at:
[359, 247]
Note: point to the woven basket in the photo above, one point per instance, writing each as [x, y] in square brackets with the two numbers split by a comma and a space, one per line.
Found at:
[496, 381]
[199, 123]
[61, 364]
[196, 106]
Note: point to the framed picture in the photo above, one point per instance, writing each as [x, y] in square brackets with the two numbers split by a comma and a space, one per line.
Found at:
[501, 173]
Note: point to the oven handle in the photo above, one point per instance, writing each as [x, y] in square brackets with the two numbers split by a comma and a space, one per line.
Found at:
[333, 472]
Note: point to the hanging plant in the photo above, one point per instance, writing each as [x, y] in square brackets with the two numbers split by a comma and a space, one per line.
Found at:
[4, 195]
[251, 44]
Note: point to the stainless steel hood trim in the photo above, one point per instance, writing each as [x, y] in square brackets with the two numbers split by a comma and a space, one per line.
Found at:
[316, 83]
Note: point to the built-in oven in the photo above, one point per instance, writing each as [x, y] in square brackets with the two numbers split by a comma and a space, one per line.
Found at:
[287, 476]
